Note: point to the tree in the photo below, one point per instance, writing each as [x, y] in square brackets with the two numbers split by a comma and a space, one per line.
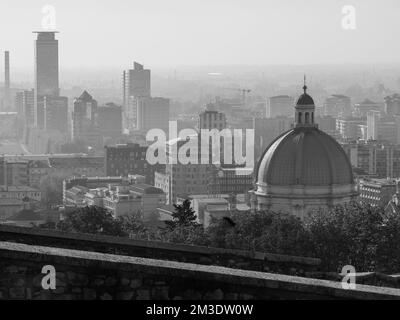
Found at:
[94, 220]
[52, 189]
[264, 231]
[388, 248]
[345, 235]
[133, 227]
[353, 234]
[184, 215]
[193, 234]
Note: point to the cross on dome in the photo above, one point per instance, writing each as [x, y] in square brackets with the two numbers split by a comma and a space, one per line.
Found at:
[305, 86]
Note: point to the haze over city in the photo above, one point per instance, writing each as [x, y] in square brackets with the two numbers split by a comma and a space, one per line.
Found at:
[199, 150]
[177, 32]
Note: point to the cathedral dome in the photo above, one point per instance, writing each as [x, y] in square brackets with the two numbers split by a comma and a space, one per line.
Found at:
[305, 156]
[304, 168]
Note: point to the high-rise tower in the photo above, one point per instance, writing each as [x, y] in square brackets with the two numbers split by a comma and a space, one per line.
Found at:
[46, 72]
[136, 84]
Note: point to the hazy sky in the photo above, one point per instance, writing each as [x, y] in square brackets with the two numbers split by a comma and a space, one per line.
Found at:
[113, 33]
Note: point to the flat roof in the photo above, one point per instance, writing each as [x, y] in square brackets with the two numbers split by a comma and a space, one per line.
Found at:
[214, 201]
[18, 189]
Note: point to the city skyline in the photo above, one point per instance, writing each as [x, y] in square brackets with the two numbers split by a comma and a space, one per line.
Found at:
[228, 150]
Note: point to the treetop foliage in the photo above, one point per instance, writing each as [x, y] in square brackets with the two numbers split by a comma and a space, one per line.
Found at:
[353, 234]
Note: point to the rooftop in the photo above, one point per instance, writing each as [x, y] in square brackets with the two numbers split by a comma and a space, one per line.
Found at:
[76, 162]
[214, 201]
[145, 189]
[18, 189]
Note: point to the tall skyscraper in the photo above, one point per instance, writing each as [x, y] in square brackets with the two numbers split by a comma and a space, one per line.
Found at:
[24, 105]
[109, 120]
[152, 113]
[83, 120]
[56, 113]
[46, 72]
[7, 95]
[136, 84]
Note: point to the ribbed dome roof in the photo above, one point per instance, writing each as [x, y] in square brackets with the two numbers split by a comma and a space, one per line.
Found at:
[305, 156]
[305, 100]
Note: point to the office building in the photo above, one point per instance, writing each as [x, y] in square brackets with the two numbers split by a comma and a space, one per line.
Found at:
[120, 195]
[109, 120]
[338, 105]
[180, 180]
[13, 173]
[136, 84]
[37, 170]
[361, 109]
[232, 181]
[10, 127]
[210, 118]
[374, 159]
[383, 128]
[348, 128]
[376, 192]
[129, 159]
[55, 113]
[46, 72]
[152, 113]
[392, 104]
[327, 124]
[77, 166]
[84, 127]
[24, 105]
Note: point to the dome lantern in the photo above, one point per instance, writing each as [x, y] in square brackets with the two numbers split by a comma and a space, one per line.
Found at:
[305, 110]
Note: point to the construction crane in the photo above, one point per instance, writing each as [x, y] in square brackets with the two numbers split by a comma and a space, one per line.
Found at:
[243, 92]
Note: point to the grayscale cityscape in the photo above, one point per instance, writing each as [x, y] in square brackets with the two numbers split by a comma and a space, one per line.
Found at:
[199, 150]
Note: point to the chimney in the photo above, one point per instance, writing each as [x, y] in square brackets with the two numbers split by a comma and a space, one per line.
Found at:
[7, 95]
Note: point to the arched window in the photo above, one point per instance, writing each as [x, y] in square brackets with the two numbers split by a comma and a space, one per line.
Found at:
[300, 119]
[312, 117]
[307, 118]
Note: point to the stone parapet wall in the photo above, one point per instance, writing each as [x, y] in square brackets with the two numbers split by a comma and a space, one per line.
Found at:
[93, 275]
[257, 261]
